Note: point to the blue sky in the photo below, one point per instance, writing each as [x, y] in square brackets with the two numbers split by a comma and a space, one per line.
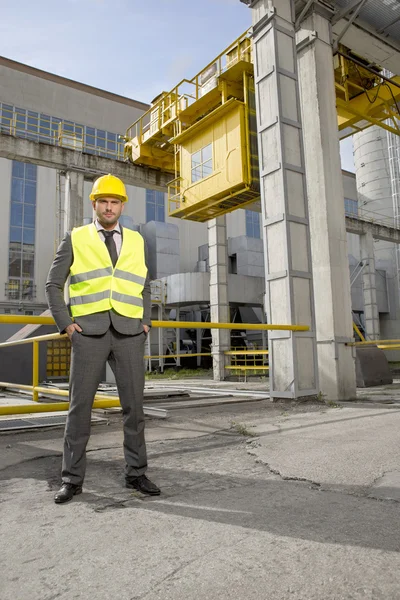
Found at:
[130, 47]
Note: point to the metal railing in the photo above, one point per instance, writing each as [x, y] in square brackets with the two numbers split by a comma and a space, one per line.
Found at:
[56, 132]
[168, 106]
[245, 360]
[100, 400]
[382, 344]
[372, 217]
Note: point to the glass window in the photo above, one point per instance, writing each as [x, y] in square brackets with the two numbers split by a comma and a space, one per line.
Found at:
[150, 212]
[196, 159]
[155, 206]
[28, 236]
[68, 126]
[20, 122]
[33, 121]
[90, 137]
[160, 213]
[206, 153]
[14, 264]
[17, 190]
[101, 139]
[252, 224]
[16, 214]
[15, 234]
[22, 230]
[351, 207]
[207, 168]
[197, 174]
[202, 165]
[28, 265]
[30, 192]
[18, 169]
[30, 172]
[29, 215]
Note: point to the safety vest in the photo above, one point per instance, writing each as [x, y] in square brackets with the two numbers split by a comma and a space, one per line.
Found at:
[95, 285]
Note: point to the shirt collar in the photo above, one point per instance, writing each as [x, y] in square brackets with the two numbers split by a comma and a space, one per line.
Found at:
[99, 227]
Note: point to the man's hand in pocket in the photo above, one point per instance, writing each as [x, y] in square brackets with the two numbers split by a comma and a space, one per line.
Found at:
[71, 328]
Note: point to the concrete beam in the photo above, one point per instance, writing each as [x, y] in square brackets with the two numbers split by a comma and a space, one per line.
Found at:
[64, 159]
[378, 232]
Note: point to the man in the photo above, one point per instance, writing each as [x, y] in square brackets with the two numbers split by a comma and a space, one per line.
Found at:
[109, 320]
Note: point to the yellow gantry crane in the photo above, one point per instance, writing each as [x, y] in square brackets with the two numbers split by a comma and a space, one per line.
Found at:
[204, 131]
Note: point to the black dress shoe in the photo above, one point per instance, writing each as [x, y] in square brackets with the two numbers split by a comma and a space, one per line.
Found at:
[66, 492]
[142, 484]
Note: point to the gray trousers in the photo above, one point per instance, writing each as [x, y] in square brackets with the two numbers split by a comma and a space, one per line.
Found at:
[88, 357]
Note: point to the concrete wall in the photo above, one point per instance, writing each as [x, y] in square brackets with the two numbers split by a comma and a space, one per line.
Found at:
[55, 96]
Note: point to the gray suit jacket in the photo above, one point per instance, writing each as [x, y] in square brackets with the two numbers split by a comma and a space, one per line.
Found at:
[97, 323]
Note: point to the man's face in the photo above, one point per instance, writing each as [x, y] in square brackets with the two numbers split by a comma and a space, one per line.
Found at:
[108, 211]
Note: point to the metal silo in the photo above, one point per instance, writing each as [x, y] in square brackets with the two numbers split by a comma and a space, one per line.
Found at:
[375, 162]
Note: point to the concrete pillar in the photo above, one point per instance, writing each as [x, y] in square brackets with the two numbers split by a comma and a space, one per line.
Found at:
[73, 200]
[288, 274]
[326, 208]
[371, 314]
[219, 303]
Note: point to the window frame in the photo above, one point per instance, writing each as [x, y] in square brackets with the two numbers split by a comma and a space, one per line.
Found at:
[253, 224]
[155, 203]
[202, 163]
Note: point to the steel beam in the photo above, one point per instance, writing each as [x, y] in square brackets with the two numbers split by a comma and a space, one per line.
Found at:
[353, 5]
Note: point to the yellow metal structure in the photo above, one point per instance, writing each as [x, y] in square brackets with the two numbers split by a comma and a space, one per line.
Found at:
[204, 130]
[364, 97]
[248, 360]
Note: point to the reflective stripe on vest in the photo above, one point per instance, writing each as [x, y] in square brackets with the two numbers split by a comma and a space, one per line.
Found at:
[91, 275]
[95, 286]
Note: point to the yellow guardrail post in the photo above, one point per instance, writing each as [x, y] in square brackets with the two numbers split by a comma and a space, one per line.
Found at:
[35, 371]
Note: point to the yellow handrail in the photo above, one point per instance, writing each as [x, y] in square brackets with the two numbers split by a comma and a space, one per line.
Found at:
[373, 343]
[32, 320]
[358, 332]
[106, 401]
[250, 352]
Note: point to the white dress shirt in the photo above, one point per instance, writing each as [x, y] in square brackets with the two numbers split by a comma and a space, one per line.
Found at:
[117, 236]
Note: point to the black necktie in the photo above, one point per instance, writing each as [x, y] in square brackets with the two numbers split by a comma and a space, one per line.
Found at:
[111, 247]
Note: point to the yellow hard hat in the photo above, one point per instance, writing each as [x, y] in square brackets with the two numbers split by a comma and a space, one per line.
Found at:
[108, 185]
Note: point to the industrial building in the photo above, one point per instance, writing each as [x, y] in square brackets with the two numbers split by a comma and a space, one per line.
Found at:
[57, 135]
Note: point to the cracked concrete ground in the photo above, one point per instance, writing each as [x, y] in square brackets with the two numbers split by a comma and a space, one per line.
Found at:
[258, 501]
